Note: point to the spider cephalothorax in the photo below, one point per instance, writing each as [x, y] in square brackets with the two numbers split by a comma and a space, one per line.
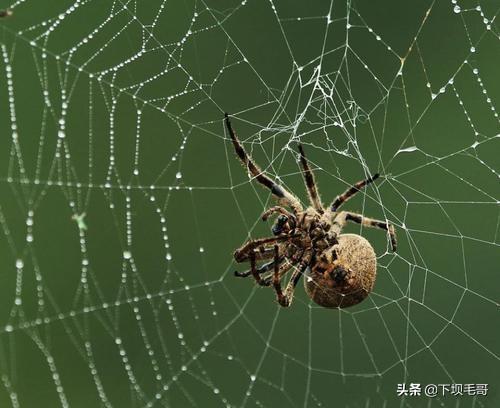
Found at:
[340, 269]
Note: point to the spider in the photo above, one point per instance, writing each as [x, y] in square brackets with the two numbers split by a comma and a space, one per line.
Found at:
[339, 269]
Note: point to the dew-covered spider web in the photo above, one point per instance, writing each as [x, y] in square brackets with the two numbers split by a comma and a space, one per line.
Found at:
[122, 201]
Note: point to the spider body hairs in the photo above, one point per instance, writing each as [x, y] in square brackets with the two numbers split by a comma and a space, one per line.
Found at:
[339, 269]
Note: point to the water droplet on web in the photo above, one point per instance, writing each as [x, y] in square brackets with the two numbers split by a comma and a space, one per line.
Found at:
[178, 175]
[61, 134]
[202, 249]
[407, 149]
[472, 49]
[19, 263]
[253, 377]
[127, 255]
[8, 328]
[457, 9]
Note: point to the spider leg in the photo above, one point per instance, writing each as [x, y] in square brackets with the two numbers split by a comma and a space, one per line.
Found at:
[260, 270]
[367, 222]
[310, 182]
[276, 279]
[285, 298]
[280, 192]
[290, 288]
[244, 252]
[254, 271]
[346, 195]
[261, 253]
[283, 269]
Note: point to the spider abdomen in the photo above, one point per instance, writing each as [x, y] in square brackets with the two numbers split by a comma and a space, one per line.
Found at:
[345, 275]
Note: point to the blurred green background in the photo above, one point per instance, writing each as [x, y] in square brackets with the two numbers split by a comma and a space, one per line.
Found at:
[111, 114]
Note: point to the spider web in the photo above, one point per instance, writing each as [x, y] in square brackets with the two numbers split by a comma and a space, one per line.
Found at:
[121, 200]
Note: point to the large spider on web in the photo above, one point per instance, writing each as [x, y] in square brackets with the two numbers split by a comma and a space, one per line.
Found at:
[340, 268]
